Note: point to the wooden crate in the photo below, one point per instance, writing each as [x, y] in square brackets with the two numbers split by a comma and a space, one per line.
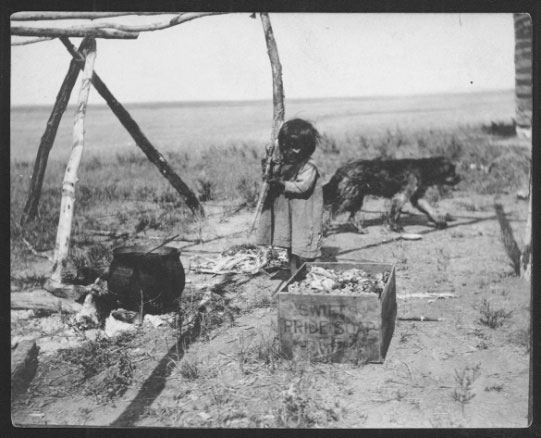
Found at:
[338, 328]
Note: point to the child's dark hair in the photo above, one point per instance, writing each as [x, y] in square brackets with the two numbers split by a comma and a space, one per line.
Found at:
[298, 133]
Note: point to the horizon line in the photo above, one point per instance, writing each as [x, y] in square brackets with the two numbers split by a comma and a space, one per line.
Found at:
[265, 100]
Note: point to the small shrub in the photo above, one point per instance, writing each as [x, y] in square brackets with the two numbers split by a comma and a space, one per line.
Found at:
[269, 351]
[495, 387]
[422, 145]
[92, 164]
[31, 280]
[145, 193]
[501, 129]
[295, 409]
[262, 301]
[131, 158]
[167, 196]
[106, 367]
[491, 317]
[206, 189]
[220, 395]
[521, 337]
[387, 147]
[189, 369]
[148, 221]
[248, 191]
[90, 262]
[122, 217]
[454, 149]
[464, 380]
[450, 147]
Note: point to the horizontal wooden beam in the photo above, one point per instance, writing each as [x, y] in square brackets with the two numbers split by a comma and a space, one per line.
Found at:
[31, 16]
[109, 27]
[30, 41]
[179, 19]
[77, 32]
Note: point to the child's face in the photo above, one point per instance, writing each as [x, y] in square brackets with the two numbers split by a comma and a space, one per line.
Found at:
[291, 153]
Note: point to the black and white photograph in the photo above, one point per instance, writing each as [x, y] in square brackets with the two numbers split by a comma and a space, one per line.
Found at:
[256, 219]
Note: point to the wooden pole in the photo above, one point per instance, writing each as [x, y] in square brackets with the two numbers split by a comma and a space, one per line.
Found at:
[47, 140]
[106, 29]
[30, 41]
[523, 74]
[277, 105]
[70, 177]
[526, 254]
[35, 16]
[81, 31]
[277, 84]
[141, 140]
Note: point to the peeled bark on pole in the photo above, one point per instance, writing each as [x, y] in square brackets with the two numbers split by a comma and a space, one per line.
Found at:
[77, 32]
[277, 103]
[47, 140]
[34, 16]
[70, 177]
[141, 140]
[30, 41]
[526, 255]
[523, 74]
[277, 84]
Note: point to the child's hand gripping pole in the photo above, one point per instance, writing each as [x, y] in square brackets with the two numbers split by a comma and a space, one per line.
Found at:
[265, 188]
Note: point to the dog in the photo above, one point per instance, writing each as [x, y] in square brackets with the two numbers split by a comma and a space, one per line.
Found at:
[400, 179]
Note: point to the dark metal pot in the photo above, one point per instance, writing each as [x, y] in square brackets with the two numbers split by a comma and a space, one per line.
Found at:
[157, 278]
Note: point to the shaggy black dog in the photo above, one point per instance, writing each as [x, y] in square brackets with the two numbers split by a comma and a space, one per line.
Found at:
[401, 180]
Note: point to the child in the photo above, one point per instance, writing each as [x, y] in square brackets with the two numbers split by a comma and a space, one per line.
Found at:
[292, 213]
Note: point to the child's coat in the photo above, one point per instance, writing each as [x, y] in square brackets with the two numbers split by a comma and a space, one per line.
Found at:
[293, 219]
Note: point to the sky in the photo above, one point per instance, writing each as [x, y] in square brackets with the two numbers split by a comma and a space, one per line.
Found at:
[224, 57]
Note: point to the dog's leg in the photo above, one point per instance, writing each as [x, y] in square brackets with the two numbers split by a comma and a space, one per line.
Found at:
[353, 223]
[354, 220]
[398, 202]
[422, 205]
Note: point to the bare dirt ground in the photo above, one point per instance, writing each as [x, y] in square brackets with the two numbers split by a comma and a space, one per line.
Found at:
[456, 372]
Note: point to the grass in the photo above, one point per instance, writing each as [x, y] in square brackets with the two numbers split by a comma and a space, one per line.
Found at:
[464, 379]
[522, 338]
[265, 351]
[105, 367]
[140, 199]
[491, 317]
[125, 193]
[189, 369]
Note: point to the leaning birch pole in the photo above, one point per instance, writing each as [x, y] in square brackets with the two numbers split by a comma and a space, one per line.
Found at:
[277, 83]
[523, 114]
[70, 177]
[526, 255]
[140, 138]
[47, 140]
[278, 109]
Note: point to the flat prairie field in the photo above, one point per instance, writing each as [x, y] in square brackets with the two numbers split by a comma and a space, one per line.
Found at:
[180, 127]
[459, 356]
